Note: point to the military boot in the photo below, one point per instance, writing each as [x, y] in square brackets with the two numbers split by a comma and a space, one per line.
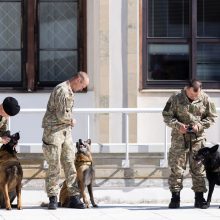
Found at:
[200, 202]
[53, 202]
[76, 203]
[175, 200]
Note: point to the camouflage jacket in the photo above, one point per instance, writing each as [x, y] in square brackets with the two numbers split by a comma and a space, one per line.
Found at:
[179, 110]
[59, 108]
[3, 126]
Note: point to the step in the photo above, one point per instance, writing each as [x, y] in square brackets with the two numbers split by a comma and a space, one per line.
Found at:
[101, 158]
[111, 172]
[39, 184]
[106, 165]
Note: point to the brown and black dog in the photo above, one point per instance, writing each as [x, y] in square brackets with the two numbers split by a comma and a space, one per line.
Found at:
[11, 173]
[85, 174]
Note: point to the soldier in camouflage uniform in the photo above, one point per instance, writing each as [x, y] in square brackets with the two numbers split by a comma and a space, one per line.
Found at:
[9, 107]
[58, 146]
[188, 113]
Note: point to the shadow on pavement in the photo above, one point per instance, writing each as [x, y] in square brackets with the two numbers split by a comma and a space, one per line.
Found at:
[148, 207]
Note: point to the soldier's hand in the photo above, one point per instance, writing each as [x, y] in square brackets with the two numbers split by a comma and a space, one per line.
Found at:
[183, 129]
[5, 139]
[73, 122]
[195, 128]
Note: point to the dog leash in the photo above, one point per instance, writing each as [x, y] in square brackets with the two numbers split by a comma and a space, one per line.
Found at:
[190, 146]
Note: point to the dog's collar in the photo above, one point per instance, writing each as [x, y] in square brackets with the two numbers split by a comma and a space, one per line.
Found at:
[87, 162]
[216, 170]
[80, 163]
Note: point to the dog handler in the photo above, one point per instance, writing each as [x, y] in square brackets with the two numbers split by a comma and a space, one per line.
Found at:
[58, 146]
[9, 107]
[188, 113]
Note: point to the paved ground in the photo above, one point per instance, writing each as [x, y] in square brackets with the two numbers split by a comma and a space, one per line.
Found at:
[113, 212]
[118, 203]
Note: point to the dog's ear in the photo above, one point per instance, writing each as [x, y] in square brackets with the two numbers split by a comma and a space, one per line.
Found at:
[214, 148]
[16, 136]
[89, 144]
[77, 145]
[80, 141]
[89, 141]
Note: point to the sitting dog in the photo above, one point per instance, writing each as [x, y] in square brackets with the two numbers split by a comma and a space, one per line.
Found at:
[11, 173]
[85, 174]
[210, 157]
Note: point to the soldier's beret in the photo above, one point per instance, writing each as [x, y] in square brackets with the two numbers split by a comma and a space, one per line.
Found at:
[10, 106]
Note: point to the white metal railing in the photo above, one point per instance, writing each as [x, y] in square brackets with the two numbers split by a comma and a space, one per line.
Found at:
[126, 112]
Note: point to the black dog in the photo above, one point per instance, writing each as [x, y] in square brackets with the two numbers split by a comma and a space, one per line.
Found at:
[210, 157]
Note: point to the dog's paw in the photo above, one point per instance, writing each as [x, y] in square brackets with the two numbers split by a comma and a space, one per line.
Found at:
[95, 205]
[8, 208]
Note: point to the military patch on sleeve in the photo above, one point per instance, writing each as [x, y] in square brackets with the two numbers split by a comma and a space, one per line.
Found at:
[213, 109]
[167, 107]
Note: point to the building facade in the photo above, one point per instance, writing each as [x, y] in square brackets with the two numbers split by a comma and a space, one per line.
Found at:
[136, 52]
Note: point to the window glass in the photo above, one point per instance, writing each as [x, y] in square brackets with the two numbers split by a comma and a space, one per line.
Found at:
[168, 62]
[10, 41]
[208, 62]
[208, 17]
[168, 18]
[57, 65]
[58, 54]
[58, 25]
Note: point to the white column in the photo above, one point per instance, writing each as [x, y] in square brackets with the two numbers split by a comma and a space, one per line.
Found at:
[93, 59]
[92, 41]
[117, 64]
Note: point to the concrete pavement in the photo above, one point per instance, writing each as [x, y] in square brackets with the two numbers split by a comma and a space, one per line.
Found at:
[113, 212]
[117, 203]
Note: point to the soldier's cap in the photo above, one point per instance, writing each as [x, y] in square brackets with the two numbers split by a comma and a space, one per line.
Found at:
[10, 106]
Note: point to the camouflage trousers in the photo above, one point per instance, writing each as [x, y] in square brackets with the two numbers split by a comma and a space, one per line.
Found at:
[178, 158]
[58, 149]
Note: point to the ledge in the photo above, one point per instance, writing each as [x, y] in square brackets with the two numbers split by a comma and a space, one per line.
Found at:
[175, 90]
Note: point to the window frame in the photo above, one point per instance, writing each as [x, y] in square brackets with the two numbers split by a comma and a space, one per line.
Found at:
[192, 41]
[29, 54]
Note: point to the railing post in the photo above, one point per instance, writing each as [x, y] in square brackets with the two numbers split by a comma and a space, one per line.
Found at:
[166, 146]
[126, 162]
[164, 162]
[88, 126]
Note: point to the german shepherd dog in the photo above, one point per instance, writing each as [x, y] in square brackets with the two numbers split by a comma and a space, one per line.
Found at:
[210, 157]
[11, 173]
[85, 174]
